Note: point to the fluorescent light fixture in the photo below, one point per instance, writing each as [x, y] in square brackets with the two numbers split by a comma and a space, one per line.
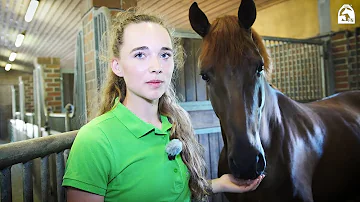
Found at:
[7, 67]
[12, 56]
[31, 10]
[19, 39]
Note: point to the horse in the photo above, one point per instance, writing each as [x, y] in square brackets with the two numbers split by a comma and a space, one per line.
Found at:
[308, 151]
[347, 15]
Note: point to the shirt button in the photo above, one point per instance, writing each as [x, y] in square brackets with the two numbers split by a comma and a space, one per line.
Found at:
[175, 170]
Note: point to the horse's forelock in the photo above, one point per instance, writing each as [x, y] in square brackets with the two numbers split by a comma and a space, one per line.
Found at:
[225, 44]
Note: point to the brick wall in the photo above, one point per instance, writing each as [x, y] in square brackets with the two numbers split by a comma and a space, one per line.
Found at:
[52, 87]
[346, 60]
[29, 93]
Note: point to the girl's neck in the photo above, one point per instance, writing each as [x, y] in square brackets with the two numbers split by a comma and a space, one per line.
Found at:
[145, 109]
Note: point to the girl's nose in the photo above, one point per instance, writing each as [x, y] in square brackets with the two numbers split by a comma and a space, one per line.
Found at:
[155, 66]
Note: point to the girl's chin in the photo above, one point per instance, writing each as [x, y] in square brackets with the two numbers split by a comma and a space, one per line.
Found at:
[153, 97]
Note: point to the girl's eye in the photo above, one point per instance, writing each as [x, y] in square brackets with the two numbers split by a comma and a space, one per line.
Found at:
[165, 55]
[140, 55]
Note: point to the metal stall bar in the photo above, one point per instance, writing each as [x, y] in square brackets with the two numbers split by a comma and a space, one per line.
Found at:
[22, 98]
[271, 46]
[100, 45]
[45, 179]
[37, 104]
[309, 72]
[101, 33]
[297, 72]
[39, 99]
[13, 101]
[97, 47]
[105, 44]
[306, 72]
[316, 71]
[60, 168]
[6, 189]
[275, 65]
[287, 69]
[28, 182]
[297, 59]
[302, 77]
[313, 73]
[80, 114]
[24, 152]
[348, 58]
[280, 66]
[308, 77]
[321, 68]
[290, 40]
[293, 71]
[356, 66]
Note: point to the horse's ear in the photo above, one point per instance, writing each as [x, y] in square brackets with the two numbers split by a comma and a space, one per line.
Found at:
[247, 13]
[198, 20]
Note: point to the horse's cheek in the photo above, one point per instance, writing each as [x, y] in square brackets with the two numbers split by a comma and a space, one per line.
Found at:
[223, 167]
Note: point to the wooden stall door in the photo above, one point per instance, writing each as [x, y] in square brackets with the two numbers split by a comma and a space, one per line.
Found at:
[188, 83]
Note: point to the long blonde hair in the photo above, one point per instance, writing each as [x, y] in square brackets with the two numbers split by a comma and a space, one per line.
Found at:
[114, 86]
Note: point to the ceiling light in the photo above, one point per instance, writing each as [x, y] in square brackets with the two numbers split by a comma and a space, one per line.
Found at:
[19, 39]
[12, 56]
[7, 67]
[31, 10]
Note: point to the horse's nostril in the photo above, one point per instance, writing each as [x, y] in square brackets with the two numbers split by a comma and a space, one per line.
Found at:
[260, 164]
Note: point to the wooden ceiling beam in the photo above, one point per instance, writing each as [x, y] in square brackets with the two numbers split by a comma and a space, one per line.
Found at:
[54, 28]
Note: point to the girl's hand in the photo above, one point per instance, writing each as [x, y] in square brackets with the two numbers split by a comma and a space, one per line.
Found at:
[228, 183]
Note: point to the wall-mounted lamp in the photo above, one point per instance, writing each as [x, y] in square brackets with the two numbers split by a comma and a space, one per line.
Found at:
[12, 56]
[31, 10]
[7, 67]
[19, 39]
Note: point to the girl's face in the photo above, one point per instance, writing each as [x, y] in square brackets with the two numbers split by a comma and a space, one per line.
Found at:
[146, 60]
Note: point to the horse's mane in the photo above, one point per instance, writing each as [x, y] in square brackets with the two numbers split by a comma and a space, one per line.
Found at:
[227, 39]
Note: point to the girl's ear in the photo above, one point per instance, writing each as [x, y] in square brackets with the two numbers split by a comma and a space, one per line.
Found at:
[115, 66]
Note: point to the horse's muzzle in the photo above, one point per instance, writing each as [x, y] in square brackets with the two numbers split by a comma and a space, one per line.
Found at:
[248, 171]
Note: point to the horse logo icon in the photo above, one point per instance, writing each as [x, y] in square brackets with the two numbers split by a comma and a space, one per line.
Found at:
[346, 15]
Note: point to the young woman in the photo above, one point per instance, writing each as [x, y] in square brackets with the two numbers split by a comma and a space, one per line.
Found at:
[121, 154]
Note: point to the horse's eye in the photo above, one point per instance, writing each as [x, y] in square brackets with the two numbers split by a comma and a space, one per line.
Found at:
[259, 69]
[205, 77]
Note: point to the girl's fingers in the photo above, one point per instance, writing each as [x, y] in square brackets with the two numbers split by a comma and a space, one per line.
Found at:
[245, 185]
[256, 183]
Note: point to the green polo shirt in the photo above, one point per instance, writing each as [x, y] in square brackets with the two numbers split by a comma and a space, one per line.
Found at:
[119, 156]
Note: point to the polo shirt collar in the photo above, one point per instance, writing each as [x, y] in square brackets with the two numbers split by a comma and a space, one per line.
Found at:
[137, 126]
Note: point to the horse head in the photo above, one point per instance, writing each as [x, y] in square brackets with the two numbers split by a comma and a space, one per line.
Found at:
[232, 62]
